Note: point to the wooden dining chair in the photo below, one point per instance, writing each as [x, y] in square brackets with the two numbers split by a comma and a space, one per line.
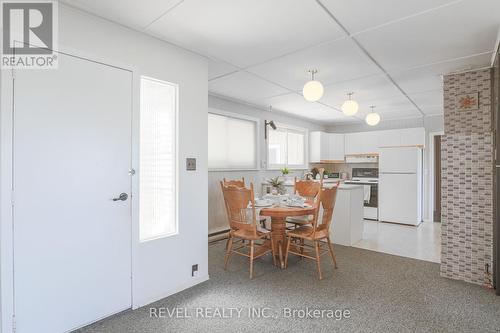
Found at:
[316, 234]
[235, 182]
[309, 189]
[244, 231]
[241, 183]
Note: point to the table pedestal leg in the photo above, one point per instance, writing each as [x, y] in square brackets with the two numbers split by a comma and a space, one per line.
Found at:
[278, 229]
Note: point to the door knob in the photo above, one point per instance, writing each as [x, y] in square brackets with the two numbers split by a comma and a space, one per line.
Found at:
[122, 197]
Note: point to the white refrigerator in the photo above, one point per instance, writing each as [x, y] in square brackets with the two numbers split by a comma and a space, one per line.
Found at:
[400, 185]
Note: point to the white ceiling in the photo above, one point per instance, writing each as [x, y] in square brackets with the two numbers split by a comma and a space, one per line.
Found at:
[390, 53]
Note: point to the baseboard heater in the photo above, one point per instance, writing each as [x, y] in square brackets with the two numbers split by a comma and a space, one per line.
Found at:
[216, 236]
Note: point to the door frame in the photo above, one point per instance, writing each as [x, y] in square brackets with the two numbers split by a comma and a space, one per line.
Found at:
[432, 179]
[7, 297]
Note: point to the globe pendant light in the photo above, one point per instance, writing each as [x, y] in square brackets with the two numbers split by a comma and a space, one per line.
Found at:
[313, 90]
[372, 118]
[350, 106]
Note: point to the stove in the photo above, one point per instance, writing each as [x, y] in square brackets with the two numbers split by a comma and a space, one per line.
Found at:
[368, 177]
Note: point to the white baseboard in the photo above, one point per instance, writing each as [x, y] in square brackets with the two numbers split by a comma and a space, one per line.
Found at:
[192, 282]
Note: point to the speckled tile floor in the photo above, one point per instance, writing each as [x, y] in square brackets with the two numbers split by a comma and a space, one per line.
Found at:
[382, 292]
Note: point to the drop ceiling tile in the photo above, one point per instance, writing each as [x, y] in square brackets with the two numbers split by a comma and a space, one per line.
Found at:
[418, 80]
[295, 104]
[390, 107]
[135, 14]
[433, 98]
[463, 29]
[357, 15]
[244, 86]
[246, 32]
[400, 114]
[366, 90]
[430, 77]
[432, 110]
[219, 68]
[336, 61]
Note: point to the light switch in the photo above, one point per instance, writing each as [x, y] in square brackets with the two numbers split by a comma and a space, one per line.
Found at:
[190, 164]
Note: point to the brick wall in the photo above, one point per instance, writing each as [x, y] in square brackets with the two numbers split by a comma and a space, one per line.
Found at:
[467, 180]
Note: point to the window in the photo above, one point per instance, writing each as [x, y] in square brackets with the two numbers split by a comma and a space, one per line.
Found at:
[232, 142]
[158, 159]
[286, 148]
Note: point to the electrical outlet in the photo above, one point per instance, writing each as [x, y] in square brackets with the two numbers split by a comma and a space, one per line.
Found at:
[194, 268]
[190, 164]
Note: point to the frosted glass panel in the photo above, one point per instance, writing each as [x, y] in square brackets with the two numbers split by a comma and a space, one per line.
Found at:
[231, 143]
[158, 193]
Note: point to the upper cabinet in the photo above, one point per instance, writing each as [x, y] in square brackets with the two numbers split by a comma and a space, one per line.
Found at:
[402, 137]
[315, 146]
[337, 146]
[413, 137]
[361, 143]
[326, 147]
[331, 147]
[389, 138]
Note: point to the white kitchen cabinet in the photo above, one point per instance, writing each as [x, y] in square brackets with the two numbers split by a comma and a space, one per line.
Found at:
[413, 137]
[347, 222]
[337, 146]
[326, 147]
[389, 138]
[314, 147]
[361, 143]
[333, 147]
[402, 137]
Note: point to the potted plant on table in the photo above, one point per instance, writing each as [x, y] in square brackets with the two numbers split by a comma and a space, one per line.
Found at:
[276, 185]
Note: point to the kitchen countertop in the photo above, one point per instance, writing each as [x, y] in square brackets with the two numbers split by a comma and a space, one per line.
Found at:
[327, 184]
[349, 187]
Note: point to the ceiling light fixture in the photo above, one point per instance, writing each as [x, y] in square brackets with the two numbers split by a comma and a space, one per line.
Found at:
[313, 90]
[350, 106]
[372, 118]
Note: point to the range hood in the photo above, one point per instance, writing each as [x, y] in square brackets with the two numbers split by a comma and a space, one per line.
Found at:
[361, 158]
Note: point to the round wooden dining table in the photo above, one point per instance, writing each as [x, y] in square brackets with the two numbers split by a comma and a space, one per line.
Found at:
[278, 215]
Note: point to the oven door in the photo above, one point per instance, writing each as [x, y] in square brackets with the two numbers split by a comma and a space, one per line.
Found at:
[372, 201]
[371, 204]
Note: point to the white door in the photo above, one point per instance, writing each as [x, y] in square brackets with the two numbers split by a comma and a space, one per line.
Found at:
[72, 153]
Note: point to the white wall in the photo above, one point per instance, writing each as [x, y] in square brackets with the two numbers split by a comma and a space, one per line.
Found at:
[430, 123]
[160, 267]
[217, 219]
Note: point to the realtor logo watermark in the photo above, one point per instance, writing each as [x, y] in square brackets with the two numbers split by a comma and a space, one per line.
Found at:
[29, 34]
